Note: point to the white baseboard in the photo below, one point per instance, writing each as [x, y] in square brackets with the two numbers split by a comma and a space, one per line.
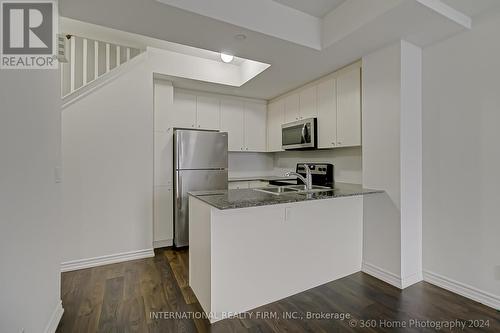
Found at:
[381, 274]
[163, 243]
[412, 279]
[55, 318]
[463, 289]
[106, 260]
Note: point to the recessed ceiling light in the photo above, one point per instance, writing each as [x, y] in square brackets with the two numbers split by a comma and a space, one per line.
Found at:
[226, 57]
[240, 36]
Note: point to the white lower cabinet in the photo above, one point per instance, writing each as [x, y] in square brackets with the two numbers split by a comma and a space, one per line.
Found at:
[163, 216]
[237, 185]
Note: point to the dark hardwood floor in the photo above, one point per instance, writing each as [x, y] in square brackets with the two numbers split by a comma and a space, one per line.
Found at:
[123, 297]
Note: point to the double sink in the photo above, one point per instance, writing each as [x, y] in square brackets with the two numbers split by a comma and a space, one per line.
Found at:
[294, 189]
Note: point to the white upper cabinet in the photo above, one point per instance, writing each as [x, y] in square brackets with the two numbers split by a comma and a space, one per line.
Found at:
[327, 114]
[275, 118]
[233, 122]
[292, 107]
[307, 103]
[184, 111]
[208, 112]
[255, 126]
[349, 108]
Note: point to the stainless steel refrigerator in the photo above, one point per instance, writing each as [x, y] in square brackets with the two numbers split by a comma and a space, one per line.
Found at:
[200, 163]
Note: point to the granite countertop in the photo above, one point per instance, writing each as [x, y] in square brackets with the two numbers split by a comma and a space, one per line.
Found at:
[243, 198]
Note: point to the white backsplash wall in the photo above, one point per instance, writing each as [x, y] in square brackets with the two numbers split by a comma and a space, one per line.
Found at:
[347, 161]
[250, 164]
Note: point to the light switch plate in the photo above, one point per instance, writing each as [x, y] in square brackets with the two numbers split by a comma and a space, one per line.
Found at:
[58, 174]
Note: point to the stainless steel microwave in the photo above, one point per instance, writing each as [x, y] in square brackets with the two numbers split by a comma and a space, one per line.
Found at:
[300, 134]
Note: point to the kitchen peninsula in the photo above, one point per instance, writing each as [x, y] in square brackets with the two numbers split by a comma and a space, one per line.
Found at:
[249, 247]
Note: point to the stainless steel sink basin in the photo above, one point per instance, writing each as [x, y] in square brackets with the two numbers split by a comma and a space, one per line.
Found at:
[293, 189]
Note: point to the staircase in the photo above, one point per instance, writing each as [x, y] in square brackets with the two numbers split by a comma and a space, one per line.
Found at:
[88, 60]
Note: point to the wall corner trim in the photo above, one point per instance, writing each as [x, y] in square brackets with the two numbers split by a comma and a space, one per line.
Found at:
[382, 274]
[463, 289]
[106, 260]
[411, 280]
[55, 318]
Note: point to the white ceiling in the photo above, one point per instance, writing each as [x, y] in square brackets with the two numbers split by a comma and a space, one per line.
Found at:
[356, 27]
[317, 8]
[471, 7]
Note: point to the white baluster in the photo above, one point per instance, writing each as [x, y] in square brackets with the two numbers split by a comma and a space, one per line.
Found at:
[107, 57]
[84, 61]
[117, 55]
[96, 59]
[72, 64]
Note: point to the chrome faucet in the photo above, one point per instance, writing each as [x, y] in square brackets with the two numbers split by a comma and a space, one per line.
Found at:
[307, 180]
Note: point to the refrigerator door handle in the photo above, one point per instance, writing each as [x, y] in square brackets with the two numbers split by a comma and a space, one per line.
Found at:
[178, 192]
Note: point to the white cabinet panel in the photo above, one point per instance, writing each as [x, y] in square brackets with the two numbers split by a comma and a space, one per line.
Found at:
[275, 118]
[232, 122]
[208, 112]
[349, 109]
[163, 100]
[163, 145]
[327, 114]
[237, 185]
[184, 110]
[163, 214]
[255, 126]
[307, 103]
[292, 108]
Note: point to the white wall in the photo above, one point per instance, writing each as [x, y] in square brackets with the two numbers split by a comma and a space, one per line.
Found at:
[381, 156]
[163, 232]
[107, 150]
[347, 161]
[250, 164]
[392, 161]
[461, 158]
[30, 233]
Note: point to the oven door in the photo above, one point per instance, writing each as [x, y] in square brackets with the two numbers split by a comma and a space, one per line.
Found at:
[299, 134]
